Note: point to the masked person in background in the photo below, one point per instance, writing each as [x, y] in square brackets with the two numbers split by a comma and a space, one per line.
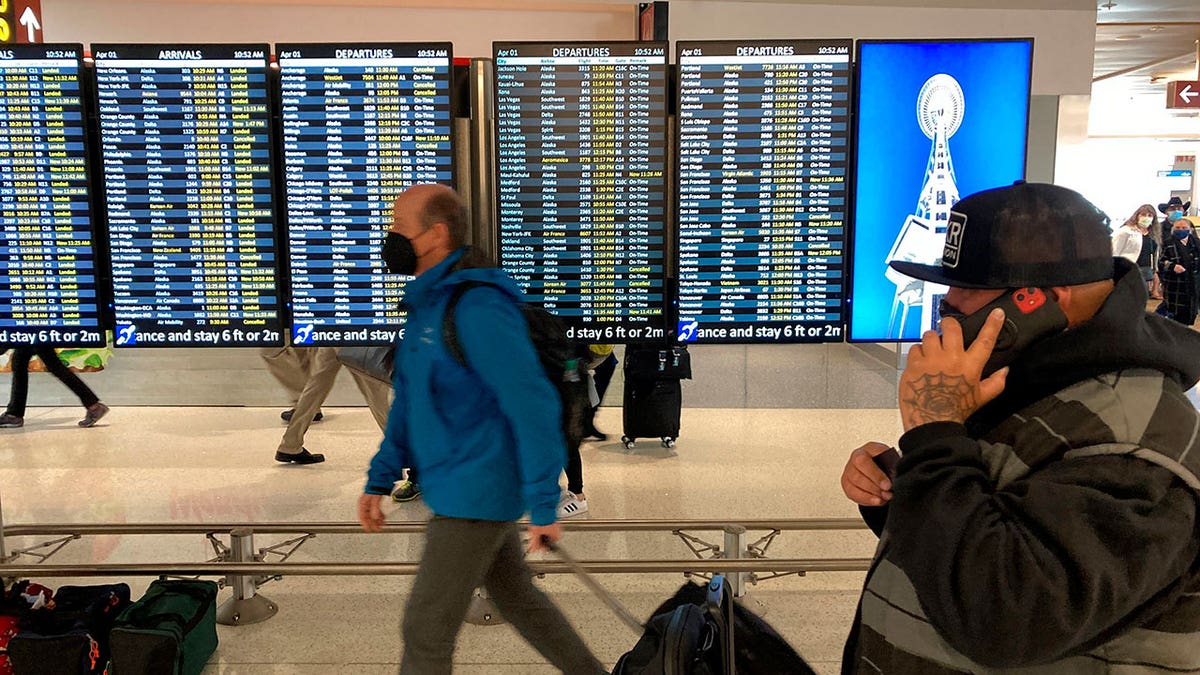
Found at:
[1043, 513]
[1147, 260]
[1127, 239]
[1173, 209]
[1177, 268]
[485, 435]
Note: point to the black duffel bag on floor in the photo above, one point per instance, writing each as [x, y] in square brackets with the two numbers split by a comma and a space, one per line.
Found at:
[71, 636]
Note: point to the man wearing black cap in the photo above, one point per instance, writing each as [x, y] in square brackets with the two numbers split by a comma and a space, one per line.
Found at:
[1044, 512]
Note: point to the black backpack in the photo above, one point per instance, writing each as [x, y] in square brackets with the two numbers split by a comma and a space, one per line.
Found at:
[558, 354]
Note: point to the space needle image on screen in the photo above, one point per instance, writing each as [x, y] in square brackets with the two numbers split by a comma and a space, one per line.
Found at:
[940, 109]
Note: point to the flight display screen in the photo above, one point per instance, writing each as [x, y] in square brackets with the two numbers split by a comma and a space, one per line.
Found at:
[361, 123]
[187, 160]
[763, 165]
[581, 144]
[47, 261]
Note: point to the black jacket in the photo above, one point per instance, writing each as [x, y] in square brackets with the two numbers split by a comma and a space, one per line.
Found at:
[1079, 548]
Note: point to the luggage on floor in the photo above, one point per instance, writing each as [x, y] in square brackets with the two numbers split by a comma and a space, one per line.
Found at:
[700, 630]
[172, 630]
[653, 394]
[69, 636]
[690, 639]
[15, 604]
[758, 648]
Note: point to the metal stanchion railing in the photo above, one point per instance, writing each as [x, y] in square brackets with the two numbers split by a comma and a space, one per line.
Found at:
[217, 569]
[417, 527]
[245, 569]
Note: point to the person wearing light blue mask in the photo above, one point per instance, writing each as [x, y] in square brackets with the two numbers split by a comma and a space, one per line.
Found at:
[1174, 209]
[1177, 268]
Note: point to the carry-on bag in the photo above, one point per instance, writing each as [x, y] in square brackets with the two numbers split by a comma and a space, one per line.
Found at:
[172, 630]
[758, 648]
[699, 630]
[651, 409]
[691, 639]
[69, 637]
[653, 396]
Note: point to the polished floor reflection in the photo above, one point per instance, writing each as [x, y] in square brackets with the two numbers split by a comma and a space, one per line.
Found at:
[215, 465]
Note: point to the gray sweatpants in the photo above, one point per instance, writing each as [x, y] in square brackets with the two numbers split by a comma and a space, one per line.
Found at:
[461, 555]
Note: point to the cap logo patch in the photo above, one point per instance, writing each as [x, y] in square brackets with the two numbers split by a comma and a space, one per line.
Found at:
[954, 235]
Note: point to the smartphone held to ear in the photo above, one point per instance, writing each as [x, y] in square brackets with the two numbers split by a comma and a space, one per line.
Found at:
[1029, 316]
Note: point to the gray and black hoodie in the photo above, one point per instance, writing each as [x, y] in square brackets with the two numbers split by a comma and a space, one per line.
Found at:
[1056, 531]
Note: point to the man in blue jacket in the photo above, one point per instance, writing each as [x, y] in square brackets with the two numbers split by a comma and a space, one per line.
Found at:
[485, 439]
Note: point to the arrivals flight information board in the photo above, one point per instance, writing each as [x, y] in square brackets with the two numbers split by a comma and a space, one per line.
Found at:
[581, 141]
[47, 265]
[186, 146]
[361, 123]
[762, 190]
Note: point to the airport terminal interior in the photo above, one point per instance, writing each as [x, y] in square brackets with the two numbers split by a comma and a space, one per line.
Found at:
[1093, 97]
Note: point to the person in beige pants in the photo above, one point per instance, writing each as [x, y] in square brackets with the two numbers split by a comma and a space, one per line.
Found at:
[290, 366]
[322, 373]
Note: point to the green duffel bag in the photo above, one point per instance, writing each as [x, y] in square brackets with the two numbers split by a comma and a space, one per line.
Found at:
[172, 630]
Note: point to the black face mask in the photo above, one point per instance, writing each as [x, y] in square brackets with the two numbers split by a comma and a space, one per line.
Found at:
[399, 255]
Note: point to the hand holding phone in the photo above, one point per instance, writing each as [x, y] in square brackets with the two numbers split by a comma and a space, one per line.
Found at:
[1029, 316]
[866, 481]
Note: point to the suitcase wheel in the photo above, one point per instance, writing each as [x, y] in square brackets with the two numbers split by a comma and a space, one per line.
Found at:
[628, 442]
[668, 442]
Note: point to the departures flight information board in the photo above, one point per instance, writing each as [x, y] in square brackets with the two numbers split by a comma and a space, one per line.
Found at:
[186, 147]
[763, 129]
[581, 143]
[361, 123]
[47, 262]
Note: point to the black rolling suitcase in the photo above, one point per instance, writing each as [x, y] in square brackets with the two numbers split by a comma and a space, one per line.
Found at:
[653, 395]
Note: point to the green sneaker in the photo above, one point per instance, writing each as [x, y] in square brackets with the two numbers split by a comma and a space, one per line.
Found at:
[405, 491]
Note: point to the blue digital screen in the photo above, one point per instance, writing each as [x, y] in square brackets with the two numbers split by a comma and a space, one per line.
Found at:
[581, 132]
[47, 260]
[763, 164]
[936, 121]
[185, 140]
[361, 124]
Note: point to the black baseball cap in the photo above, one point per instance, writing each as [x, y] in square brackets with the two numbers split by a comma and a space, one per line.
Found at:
[1028, 234]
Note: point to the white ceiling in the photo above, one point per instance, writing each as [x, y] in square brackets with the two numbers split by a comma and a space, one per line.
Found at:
[1140, 45]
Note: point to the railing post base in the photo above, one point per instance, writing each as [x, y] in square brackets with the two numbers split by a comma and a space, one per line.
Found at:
[246, 606]
[482, 611]
[242, 612]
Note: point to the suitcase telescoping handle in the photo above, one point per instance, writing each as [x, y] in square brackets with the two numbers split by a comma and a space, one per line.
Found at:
[593, 585]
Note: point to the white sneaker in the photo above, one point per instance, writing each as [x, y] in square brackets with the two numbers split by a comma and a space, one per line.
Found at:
[571, 505]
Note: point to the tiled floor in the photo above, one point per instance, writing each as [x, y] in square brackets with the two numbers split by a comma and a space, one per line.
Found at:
[215, 465]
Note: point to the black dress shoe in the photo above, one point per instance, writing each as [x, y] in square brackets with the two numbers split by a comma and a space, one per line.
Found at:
[286, 415]
[302, 457]
[595, 433]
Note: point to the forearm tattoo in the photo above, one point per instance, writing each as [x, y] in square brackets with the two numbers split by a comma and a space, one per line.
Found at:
[938, 397]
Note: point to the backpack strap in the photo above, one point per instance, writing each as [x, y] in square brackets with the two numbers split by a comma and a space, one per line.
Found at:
[449, 328]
